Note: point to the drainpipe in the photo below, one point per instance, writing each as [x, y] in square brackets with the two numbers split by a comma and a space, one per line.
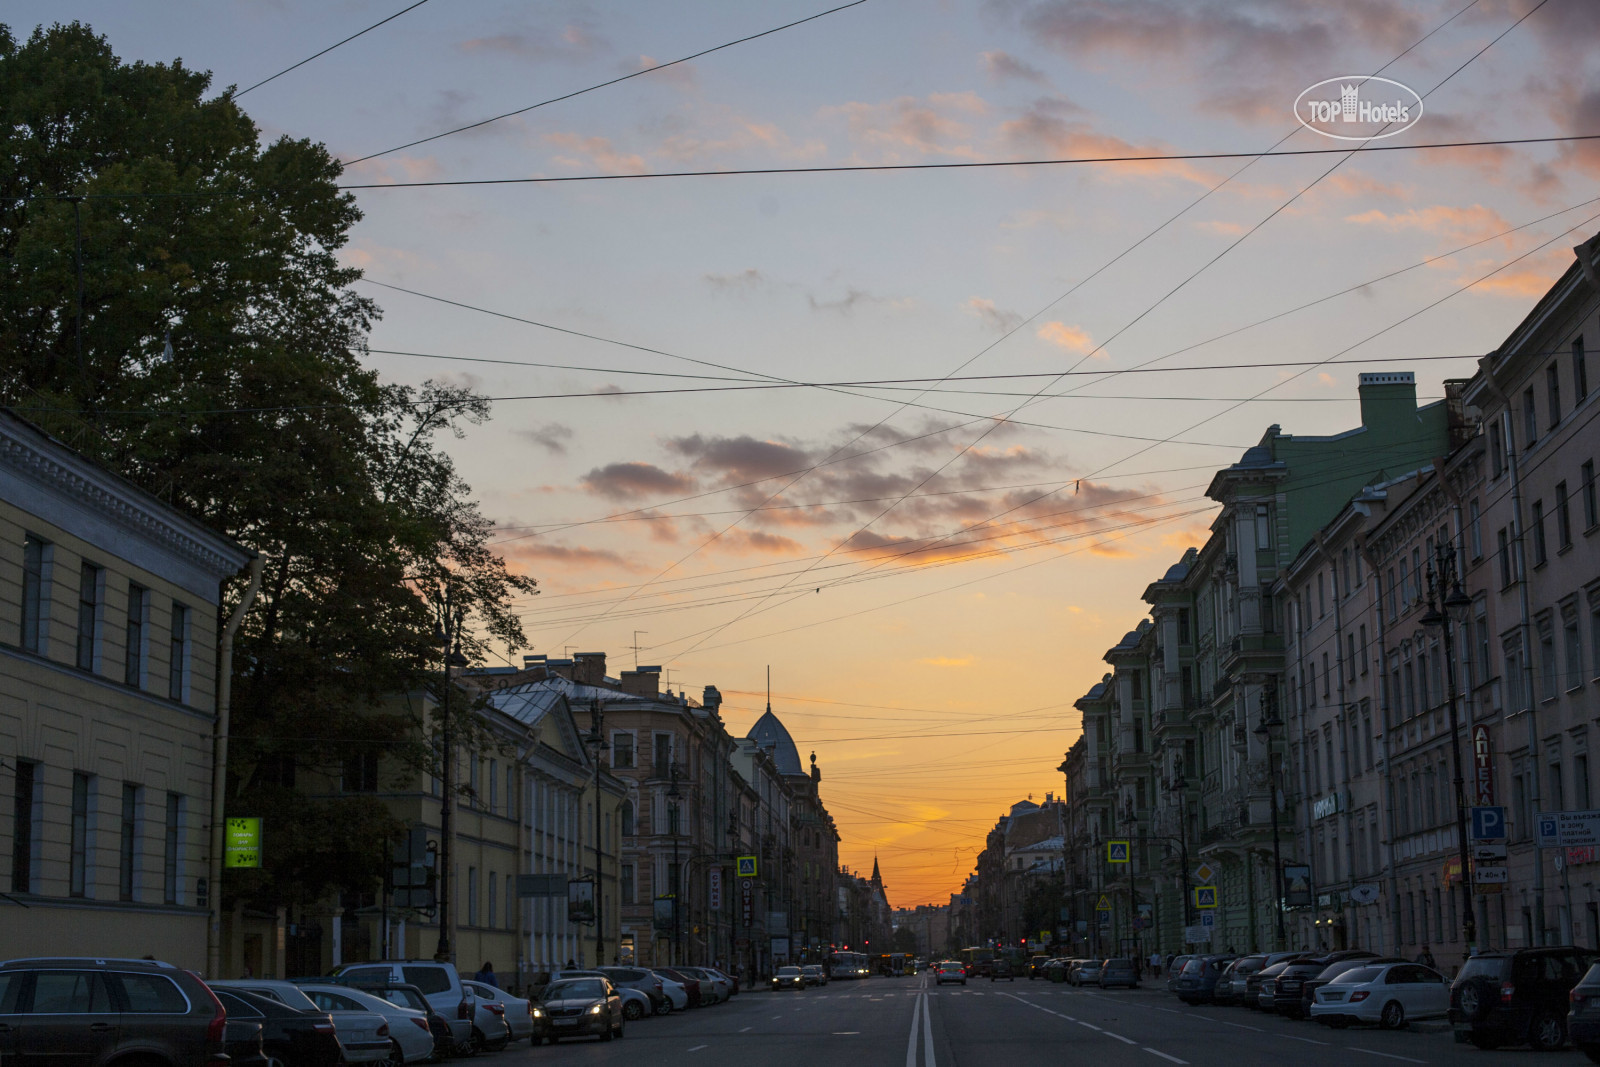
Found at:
[219, 769]
[1388, 746]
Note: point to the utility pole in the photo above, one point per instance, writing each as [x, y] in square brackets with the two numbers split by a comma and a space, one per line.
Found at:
[1269, 723]
[677, 870]
[596, 719]
[449, 637]
[1444, 589]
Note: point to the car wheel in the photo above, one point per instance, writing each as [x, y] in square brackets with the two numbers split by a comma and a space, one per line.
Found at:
[1548, 1032]
[632, 1010]
[1393, 1016]
[1477, 997]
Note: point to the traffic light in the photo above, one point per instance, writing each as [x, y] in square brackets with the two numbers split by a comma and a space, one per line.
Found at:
[412, 875]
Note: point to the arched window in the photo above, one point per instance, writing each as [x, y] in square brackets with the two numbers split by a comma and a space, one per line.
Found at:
[627, 818]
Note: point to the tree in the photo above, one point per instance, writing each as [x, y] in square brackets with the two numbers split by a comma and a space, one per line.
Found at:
[263, 423]
[904, 939]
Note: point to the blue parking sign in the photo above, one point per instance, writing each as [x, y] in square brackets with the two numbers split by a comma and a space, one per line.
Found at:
[1488, 823]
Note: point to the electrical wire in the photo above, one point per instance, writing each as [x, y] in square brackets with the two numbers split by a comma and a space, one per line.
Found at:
[330, 48]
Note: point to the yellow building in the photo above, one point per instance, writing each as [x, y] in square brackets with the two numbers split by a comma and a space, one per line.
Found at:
[109, 606]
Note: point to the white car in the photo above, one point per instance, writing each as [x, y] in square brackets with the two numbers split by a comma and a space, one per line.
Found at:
[408, 1028]
[518, 1012]
[362, 1032]
[1387, 994]
[721, 985]
[677, 996]
[439, 982]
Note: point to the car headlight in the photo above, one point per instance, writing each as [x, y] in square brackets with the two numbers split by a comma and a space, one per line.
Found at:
[596, 1009]
[536, 1013]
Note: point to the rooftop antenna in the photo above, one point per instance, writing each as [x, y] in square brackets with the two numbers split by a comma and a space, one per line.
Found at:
[636, 647]
[769, 689]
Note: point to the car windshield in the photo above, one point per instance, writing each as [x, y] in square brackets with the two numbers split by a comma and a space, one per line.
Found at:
[1194, 966]
[405, 998]
[576, 990]
[1483, 966]
[788, 970]
[1358, 976]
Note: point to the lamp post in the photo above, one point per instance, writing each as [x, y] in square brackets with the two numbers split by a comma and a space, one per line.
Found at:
[1269, 723]
[677, 871]
[1444, 588]
[597, 739]
[449, 638]
[1179, 785]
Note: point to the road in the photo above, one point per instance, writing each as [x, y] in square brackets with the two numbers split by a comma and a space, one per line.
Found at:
[884, 1022]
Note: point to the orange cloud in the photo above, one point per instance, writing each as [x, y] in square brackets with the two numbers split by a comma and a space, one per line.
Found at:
[947, 661]
[595, 152]
[1460, 222]
[1070, 338]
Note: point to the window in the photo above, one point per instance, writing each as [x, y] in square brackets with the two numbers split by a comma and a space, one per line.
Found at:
[23, 825]
[1405, 585]
[91, 592]
[1530, 418]
[1326, 673]
[1136, 685]
[78, 867]
[494, 898]
[1411, 689]
[135, 651]
[128, 850]
[1344, 560]
[1548, 677]
[1594, 634]
[511, 902]
[1366, 732]
[628, 891]
[663, 756]
[36, 566]
[1497, 449]
[1394, 603]
[1475, 528]
[1511, 655]
[1552, 384]
[1555, 800]
[621, 749]
[1322, 595]
[361, 772]
[1580, 780]
[472, 896]
[627, 818]
[1183, 623]
[1263, 527]
[1536, 520]
[494, 793]
[1481, 627]
[1563, 517]
[1591, 508]
[1311, 688]
[1363, 645]
[178, 655]
[1503, 550]
[1572, 645]
[172, 850]
[1350, 659]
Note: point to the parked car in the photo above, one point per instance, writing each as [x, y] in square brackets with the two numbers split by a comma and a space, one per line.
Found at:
[788, 978]
[363, 1032]
[1249, 995]
[720, 984]
[1338, 963]
[1003, 969]
[1266, 998]
[641, 1002]
[491, 1025]
[949, 971]
[107, 1009]
[644, 981]
[1118, 972]
[1056, 970]
[1198, 982]
[691, 984]
[1231, 984]
[814, 974]
[1388, 994]
[1174, 969]
[439, 982]
[1515, 998]
[1583, 1017]
[518, 1012]
[733, 979]
[409, 996]
[1085, 972]
[288, 1035]
[410, 1037]
[1036, 966]
[241, 1040]
[577, 1007]
[677, 997]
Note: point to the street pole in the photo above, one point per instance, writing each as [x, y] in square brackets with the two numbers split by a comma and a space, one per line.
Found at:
[677, 871]
[596, 719]
[450, 622]
[1270, 722]
[1445, 589]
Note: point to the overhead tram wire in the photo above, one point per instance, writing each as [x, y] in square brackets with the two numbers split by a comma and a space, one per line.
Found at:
[330, 48]
[1347, 154]
[1100, 346]
[600, 85]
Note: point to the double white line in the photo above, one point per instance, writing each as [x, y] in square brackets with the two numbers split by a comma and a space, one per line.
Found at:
[924, 1011]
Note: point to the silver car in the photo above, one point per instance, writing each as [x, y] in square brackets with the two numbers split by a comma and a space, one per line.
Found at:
[518, 1012]
[408, 1027]
[363, 1032]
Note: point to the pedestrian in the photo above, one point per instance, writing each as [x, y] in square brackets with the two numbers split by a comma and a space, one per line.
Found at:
[486, 975]
[1425, 957]
[571, 966]
[1155, 964]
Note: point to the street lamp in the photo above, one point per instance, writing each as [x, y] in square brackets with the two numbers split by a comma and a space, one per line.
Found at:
[677, 871]
[1179, 785]
[1269, 723]
[597, 739]
[448, 635]
[1444, 587]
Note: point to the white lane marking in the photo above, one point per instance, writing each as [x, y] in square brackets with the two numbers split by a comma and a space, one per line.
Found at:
[1163, 1055]
[911, 1043]
[1091, 1026]
[777, 1016]
[1385, 1055]
[927, 1037]
[697, 1048]
[1307, 1040]
[845, 1033]
[1119, 1037]
[747, 1029]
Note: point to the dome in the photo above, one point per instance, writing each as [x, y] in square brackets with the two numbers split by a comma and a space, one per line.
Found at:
[769, 733]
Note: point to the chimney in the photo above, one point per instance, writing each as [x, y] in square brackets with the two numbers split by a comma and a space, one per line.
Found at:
[711, 699]
[589, 668]
[559, 667]
[1388, 396]
[644, 682]
[1461, 425]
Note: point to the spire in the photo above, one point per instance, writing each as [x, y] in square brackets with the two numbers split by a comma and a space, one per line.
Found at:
[877, 879]
[769, 689]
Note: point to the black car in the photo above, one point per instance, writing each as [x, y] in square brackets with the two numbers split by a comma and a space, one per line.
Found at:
[1336, 964]
[1197, 982]
[577, 1007]
[95, 1011]
[1583, 1018]
[788, 978]
[1003, 969]
[301, 1038]
[242, 1042]
[1517, 998]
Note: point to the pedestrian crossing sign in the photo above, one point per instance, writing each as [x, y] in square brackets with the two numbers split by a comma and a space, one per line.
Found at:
[1205, 896]
[1104, 903]
[1116, 852]
[747, 867]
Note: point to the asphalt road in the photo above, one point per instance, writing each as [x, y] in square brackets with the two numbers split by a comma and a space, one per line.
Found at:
[884, 1022]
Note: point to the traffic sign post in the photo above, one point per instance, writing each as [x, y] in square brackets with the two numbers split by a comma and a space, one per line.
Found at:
[1488, 823]
[1205, 896]
[1565, 829]
[747, 866]
[1104, 903]
[1204, 873]
[1116, 852]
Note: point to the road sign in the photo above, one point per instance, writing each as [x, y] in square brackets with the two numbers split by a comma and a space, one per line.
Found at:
[1103, 904]
[1205, 896]
[1197, 934]
[1488, 823]
[243, 843]
[747, 867]
[1208, 919]
[1204, 873]
[1490, 875]
[1116, 852]
[1563, 829]
[1489, 852]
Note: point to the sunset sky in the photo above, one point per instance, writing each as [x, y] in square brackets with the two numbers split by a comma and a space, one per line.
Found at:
[931, 587]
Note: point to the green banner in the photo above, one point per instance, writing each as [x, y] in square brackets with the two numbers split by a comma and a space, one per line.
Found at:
[242, 843]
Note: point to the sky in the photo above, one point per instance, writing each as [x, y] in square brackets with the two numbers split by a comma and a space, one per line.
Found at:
[931, 569]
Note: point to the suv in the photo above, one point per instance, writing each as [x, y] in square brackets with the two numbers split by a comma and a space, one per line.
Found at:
[1516, 998]
[439, 982]
[93, 1011]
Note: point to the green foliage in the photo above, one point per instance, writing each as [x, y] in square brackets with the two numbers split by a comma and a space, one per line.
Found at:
[264, 425]
[904, 939]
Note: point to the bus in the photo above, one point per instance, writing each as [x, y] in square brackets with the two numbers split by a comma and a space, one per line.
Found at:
[978, 962]
[847, 965]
